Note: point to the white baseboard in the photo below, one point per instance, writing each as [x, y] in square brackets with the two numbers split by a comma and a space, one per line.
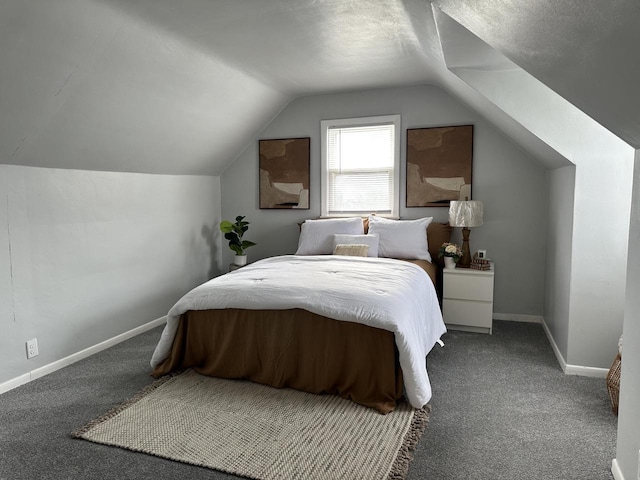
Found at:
[75, 357]
[615, 470]
[568, 368]
[14, 383]
[586, 371]
[554, 346]
[517, 317]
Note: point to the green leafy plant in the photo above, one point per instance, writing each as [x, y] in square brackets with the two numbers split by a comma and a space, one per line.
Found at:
[450, 250]
[234, 232]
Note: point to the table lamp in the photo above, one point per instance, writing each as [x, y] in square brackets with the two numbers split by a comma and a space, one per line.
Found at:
[465, 214]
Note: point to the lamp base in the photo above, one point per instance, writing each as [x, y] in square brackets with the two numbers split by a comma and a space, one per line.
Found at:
[465, 261]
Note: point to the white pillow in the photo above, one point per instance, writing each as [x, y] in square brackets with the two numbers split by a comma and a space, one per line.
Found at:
[316, 236]
[401, 238]
[371, 240]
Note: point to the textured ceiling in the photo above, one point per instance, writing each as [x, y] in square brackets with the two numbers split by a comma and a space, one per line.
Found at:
[305, 46]
[584, 50]
[161, 86]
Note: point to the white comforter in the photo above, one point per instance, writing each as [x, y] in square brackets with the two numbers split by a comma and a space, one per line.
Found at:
[384, 293]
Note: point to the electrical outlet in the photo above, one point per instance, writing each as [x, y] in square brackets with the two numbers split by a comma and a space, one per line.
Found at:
[32, 348]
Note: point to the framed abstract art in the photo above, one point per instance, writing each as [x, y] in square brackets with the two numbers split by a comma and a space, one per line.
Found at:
[439, 165]
[284, 173]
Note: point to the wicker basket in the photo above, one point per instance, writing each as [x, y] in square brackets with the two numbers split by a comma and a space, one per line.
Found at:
[613, 382]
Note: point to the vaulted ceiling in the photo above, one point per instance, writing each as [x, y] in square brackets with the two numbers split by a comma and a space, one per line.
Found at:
[162, 86]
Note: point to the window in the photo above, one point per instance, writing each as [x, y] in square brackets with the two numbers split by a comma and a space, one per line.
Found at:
[360, 166]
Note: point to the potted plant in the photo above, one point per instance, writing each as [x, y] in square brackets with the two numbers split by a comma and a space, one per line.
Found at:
[234, 232]
[452, 254]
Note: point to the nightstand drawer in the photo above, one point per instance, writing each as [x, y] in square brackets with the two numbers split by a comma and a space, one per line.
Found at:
[468, 313]
[468, 287]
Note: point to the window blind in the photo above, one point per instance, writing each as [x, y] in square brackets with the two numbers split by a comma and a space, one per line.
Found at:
[360, 164]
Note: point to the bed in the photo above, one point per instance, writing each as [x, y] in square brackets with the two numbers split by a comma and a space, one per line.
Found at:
[359, 327]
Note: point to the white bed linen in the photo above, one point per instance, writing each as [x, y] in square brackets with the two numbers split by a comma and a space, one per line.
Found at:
[380, 292]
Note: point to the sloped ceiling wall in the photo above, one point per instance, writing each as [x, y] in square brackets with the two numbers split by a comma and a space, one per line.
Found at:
[584, 50]
[160, 86]
[85, 86]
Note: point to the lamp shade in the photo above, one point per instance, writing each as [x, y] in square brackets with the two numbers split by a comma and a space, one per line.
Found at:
[466, 213]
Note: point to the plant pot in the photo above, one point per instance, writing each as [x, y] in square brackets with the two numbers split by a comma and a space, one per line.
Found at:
[449, 262]
[240, 260]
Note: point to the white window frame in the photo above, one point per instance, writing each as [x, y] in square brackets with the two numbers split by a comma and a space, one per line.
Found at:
[325, 125]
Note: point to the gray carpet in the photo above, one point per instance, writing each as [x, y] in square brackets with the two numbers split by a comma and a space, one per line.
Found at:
[502, 409]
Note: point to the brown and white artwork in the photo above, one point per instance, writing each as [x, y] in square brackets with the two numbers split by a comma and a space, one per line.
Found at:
[439, 164]
[284, 173]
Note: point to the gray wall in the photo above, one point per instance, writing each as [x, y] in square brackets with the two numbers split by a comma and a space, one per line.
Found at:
[604, 169]
[558, 259]
[85, 256]
[629, 414]
[510, 183]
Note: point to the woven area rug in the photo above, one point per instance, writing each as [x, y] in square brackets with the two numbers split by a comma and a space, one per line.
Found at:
[261, 432]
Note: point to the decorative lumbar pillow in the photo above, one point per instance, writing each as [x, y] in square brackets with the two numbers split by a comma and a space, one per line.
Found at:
[370, 240]
[316, 236]
[351, 249]
[401, 238]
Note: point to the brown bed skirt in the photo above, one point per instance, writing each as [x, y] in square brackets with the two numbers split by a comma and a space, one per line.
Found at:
[290, 348]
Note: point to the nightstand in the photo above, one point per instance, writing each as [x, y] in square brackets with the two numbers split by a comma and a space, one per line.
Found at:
[467, 302]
